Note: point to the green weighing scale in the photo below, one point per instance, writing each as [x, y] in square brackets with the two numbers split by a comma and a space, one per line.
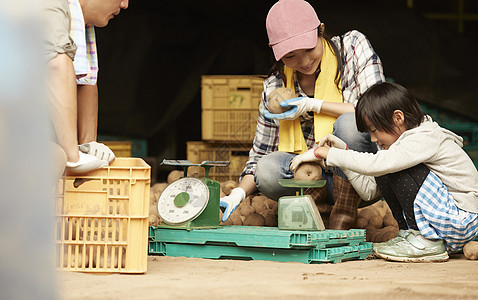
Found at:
[189, 202]
[299, 212]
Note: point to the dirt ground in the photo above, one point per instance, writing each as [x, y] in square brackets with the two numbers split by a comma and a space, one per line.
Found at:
[196, 278]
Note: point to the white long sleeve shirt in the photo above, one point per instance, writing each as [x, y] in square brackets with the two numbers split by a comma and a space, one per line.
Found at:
[436, 147]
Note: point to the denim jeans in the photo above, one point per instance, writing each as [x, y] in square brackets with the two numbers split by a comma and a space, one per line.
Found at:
[276, 165]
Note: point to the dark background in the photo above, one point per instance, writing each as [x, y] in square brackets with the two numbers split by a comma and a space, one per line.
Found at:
[153, 54]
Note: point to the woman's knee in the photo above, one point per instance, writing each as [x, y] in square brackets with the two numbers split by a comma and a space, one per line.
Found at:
[345, 128]
[269, 170]
[272, 167]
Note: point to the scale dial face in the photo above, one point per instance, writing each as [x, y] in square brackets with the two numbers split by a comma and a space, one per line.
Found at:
[183, 200]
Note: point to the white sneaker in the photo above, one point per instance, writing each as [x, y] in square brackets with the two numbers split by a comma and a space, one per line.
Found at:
[86, 163]
[413, 247]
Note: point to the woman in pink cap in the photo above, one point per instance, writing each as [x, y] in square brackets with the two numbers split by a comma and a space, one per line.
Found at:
[328, 75]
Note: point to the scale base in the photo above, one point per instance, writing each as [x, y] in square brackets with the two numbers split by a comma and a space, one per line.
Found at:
[299, 213]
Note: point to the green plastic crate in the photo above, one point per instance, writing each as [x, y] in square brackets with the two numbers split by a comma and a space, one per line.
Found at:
[314, 255]
[444, 116]
[266, 237]
[468, 131]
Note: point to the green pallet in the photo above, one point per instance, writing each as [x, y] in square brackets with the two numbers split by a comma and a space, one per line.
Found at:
[266, 237]
[314, 255]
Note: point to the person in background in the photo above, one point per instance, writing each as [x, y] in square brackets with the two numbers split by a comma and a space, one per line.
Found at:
[328, 74]
[72, 73]
[427, 179]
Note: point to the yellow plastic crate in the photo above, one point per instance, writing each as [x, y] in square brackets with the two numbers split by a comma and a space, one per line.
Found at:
[102, 219]
[229, 107]
[119, 148]
[237, 154]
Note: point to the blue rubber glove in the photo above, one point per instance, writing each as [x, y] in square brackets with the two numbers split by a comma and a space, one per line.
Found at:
[299, 106]
[231, 202]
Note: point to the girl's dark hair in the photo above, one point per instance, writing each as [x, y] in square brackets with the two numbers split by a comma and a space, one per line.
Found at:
[278, 66]
[379, 102]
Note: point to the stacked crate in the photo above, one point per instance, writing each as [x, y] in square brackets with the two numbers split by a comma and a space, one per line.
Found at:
[229, 116]
[261, 243]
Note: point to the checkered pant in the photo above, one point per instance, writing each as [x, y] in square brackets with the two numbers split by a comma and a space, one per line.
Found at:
[438, 217]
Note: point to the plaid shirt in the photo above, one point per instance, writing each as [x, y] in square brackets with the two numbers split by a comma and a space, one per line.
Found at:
[362, 69]
[86, 60]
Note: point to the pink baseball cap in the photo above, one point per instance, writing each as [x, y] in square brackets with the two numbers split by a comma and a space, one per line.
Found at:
[291, 25]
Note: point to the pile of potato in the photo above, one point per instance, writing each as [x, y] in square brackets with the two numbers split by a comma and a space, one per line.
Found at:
[253, 211]
[378, 221]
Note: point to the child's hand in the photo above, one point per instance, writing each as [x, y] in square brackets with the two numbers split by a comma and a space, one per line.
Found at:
[331, 140]
[308, 156]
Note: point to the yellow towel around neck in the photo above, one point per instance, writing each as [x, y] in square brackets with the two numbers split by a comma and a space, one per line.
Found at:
[291, 137]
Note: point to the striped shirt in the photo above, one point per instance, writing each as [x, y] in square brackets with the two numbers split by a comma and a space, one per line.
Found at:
[86, 60]
[362, 68]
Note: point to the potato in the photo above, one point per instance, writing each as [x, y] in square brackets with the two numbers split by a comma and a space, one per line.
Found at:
[174, 175]
[270, 203]
[270, 216]
[309, 171]
[158, 188]
[259, 206]
[275, 206]
[386, 234]
[267, 211]
[227, 222]
[471, 250]
[236, 219]
[152, 199]
[376, 221]
[277, 96]
[362, 222]
[247, 201]
[368, 212]
[381, 207]
[154, 220]
[259, 199]
[371, 233]
[247, 210]
[254, 219]
[389, 220]
[228, 186]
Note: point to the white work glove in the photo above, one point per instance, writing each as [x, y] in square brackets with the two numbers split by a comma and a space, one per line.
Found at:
[101, 151]
[308, 156]
[333, 142]
[86, 163]
[231, 202]
[300, 106]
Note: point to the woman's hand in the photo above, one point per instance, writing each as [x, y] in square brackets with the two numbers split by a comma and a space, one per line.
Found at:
[297, 107]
